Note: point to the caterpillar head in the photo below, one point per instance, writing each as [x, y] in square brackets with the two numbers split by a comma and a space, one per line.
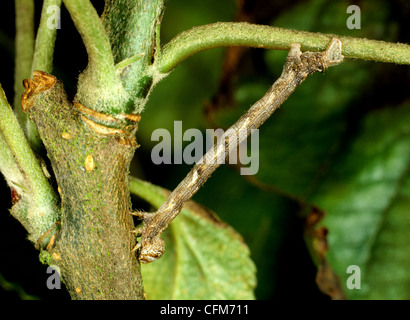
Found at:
[151, 249]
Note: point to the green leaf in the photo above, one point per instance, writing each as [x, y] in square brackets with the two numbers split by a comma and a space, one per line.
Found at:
[367, 203]
[205, 258]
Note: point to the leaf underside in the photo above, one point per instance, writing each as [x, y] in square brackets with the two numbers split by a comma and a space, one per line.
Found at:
[367, 204]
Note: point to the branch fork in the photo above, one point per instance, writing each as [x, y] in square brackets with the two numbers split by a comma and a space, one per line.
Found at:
[297, 68]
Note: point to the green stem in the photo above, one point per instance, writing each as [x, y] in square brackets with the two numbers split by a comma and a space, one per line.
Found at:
[226, 34]
[24, 52]
[22, 153]
[9, 167]
[42, 60]
[93, 34]
[45, 41]
[132, 26]
[99, 86]
[34, 187]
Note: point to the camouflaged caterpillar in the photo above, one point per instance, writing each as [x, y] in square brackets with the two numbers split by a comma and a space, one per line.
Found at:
[297, 68]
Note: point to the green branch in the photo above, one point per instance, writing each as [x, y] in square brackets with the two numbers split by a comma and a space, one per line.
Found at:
[227, 34]
[24, 46]
[132, 27]
[45, 40]
[9, 167]
[99, 86]
[93, 34]
[42, 61]
[37, 207]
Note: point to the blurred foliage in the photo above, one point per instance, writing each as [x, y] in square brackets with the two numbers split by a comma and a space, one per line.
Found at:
[367, 197]
[339, 146]
[205, 258]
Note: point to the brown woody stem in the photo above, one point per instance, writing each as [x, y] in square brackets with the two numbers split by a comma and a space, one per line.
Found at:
[93, 247]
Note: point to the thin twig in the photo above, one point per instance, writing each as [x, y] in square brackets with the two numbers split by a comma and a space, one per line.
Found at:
[297, 68]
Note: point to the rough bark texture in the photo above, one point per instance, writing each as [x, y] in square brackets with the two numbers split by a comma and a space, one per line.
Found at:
[90, 162]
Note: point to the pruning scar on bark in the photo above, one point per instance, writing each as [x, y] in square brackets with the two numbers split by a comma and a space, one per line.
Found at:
[297, 68]
[41, 82]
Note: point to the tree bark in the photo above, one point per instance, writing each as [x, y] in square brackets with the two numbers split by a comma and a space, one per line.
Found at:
[90, 155]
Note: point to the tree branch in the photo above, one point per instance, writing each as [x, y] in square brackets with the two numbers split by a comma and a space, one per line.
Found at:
[225, 34]
[93, 248]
